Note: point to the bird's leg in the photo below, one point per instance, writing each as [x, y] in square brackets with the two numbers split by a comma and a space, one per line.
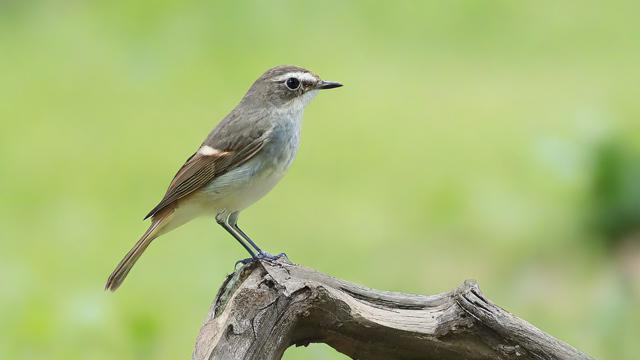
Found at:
[233, 221]
[223, 221]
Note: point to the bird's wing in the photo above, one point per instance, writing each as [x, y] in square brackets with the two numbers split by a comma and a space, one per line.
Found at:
[204, 166]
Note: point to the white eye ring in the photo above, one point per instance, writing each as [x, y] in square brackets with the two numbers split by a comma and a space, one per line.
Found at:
[292, 83]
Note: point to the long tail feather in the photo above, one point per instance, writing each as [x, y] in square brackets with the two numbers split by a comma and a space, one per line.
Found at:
[120, 272]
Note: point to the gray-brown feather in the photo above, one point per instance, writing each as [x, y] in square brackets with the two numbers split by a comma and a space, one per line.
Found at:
[238, 137]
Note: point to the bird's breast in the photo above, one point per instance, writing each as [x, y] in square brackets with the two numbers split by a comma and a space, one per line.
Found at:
[282, 145]
[247, 183]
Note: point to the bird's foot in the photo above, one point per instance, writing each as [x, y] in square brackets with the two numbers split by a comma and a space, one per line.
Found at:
[261, 256]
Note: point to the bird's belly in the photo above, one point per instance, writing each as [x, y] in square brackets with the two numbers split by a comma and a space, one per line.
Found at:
[241, 187]
[246, 184]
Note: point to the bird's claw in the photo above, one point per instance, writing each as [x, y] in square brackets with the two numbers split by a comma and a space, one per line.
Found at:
[263, 255]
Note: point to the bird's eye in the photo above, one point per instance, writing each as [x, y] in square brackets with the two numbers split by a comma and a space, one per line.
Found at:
[292, 83]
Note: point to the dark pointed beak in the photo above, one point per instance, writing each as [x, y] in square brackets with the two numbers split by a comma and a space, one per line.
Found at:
[322, 85]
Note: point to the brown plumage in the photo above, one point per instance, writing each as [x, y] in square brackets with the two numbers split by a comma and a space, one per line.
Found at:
[197, 171]
[124, 266]
[200, 169]
[238, 163]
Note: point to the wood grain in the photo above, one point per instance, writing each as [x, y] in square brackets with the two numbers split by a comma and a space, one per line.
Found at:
[265, 307]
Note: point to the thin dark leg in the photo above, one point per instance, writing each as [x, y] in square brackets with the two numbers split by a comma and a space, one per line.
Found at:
[224, 223]
[233, 221]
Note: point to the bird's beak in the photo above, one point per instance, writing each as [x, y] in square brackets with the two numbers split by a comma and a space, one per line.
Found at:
[322, 85]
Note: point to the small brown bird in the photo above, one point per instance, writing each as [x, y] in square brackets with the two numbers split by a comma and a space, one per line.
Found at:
[238, 163]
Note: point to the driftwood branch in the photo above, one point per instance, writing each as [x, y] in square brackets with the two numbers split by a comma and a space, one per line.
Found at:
[263, 308]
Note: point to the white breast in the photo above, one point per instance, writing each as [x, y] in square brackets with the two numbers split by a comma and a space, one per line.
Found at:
[246, 184]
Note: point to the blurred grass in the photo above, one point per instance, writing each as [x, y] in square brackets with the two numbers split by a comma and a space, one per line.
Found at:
[460, 147]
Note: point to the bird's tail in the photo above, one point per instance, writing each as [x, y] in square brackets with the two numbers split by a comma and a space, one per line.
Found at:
[120, 272]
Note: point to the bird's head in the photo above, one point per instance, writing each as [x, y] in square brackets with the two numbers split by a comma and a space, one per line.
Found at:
[287, 87]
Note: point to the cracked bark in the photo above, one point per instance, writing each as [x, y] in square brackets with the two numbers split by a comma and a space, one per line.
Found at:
[263, 308]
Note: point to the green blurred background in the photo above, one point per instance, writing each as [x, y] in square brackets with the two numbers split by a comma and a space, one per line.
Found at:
[494, 140]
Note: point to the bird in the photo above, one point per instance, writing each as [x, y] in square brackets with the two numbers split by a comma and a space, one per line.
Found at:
[238, 163]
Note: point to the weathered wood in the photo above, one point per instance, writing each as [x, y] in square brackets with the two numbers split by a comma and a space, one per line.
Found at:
[265, 307]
